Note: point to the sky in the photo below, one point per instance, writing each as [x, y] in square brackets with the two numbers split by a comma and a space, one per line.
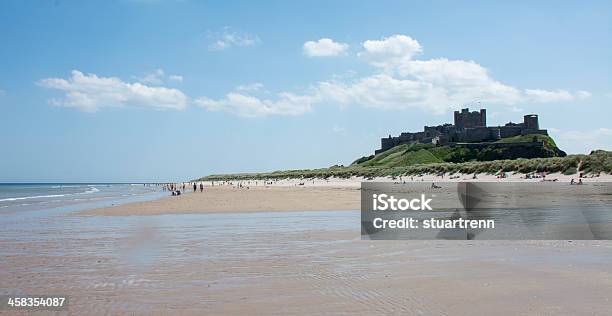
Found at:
[153, 90]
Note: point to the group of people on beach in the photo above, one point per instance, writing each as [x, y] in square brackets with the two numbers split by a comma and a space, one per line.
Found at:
[576, 183]
[177, 189]
[195, 187]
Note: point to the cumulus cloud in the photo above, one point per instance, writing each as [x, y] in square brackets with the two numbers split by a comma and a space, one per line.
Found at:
[399, 81]
[539, 95]
[547, 96]
[88, 92]
[229, 38]
[583, 94]
[390, 52]
[253, 87]
[154, 78]
[158, 77]
[433, 85]
[177, 78]
[245, 105]
[584, 141]
[385, 92]
[324, 47]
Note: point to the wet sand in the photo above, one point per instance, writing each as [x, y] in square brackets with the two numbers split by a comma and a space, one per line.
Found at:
[296, 263]
[216, 253]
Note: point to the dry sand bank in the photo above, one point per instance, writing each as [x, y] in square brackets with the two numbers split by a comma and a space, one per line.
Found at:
[221, 199]
[301, 195]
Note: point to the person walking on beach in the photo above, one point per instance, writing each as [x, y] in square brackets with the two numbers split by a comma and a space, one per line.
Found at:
[201, 187]
[195, 187]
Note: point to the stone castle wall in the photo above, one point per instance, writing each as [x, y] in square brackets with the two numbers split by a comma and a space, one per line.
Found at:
[468, 127]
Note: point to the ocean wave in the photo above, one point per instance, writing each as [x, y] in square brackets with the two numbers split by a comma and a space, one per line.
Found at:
[31, 197]
[92, 190]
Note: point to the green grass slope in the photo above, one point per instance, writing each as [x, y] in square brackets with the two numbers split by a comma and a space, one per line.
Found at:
[403, 155]
[415, 154]
[417, 159]
[596, 162]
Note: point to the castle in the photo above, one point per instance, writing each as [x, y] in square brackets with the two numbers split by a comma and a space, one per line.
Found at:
[468, 128]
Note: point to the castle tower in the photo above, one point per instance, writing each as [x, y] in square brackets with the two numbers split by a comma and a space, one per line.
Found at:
[467, 119]
[531, 121]
[457, 120]
[483, 117]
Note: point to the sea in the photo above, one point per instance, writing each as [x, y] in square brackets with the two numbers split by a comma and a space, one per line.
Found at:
[23, 197]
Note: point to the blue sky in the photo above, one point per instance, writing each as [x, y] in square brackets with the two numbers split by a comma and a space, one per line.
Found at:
[173, 90]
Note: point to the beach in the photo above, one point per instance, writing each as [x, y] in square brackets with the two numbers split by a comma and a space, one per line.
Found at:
[293, 263]
[254, 199]
[298, 194]
[292, 247]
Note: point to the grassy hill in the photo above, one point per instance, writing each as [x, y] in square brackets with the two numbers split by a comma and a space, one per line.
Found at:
[402, 155]
[416, 159]
[416, 154]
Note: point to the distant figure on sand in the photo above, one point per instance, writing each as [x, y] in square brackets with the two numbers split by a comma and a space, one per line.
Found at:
[201, 186]
[195, 187]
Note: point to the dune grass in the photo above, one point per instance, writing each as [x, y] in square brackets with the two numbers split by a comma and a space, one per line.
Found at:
[597, 161]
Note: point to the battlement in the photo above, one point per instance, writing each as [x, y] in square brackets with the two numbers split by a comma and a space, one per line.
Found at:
[467, 119]
[468, 127]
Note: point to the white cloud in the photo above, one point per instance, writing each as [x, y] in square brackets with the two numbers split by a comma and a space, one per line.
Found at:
[584, 141]
[228, 38]
[158, 77]
[88, 92]
[433, 85]
[399, 82]
[250, 106]
[390, 52]
[539, 95]
[384, 91]
[253, 87]
[154, 78]
[177, 78]
[583, 94]
[324, 47]
[462, 81]
[546, 96]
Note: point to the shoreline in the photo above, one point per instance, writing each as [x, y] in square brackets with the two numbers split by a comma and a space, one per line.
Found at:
[227, 199]
[292, 263]
[288, 195]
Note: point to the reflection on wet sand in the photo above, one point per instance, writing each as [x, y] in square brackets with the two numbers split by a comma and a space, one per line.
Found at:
[291, 263]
